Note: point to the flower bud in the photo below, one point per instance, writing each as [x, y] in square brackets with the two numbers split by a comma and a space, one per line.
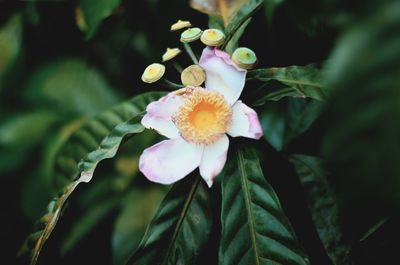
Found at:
[244, 58]
[180, 24]
[153, 73]
[190, 35]
[212, 37]
[170, 54]
[193, 75]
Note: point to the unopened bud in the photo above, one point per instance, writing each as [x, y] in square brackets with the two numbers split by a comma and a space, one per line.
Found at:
[212, 37]
[244, 58]
[190, 35]
[170, 54]
[193, 75]
[180, 24]
[153, 73]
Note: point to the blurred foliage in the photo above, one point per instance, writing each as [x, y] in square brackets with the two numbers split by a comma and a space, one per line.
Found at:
[326, 91]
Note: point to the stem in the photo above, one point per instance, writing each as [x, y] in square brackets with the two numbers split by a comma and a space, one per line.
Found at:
[190, 53]
[177, 67]
[171, 85]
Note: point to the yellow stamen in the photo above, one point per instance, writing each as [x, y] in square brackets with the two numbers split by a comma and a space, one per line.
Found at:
[204, 117]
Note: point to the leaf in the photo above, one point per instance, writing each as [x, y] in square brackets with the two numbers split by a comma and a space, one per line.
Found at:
[243, 14]
[139, 207]
[10, 44]
[234, 42]
[324, 207]
[254, 228]
[92, 146]
[285, 120]
[72, 86]
[181, 228]
[270, 7]
[361, 142]
[94, 14]
[224, 8]
[299, 81]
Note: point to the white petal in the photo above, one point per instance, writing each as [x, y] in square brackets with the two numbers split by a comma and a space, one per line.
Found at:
[222, 74]
[170, 160]
[245, 122]
[159, 113]
[213, 160]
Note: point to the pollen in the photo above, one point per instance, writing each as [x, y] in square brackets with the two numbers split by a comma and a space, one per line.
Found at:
[204, 117]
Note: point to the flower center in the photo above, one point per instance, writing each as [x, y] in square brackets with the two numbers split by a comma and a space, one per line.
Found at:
[204, 117]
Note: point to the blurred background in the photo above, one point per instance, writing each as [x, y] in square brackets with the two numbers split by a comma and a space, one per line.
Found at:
[64, 62]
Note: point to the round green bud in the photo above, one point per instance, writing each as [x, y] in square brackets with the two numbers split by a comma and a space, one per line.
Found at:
[244, 58]
[190, 35]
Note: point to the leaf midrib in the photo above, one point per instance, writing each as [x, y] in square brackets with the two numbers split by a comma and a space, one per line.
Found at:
[182, 216]
[247, 200]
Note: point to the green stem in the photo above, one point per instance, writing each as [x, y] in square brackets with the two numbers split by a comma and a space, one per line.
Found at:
[190, 53]
[171, 85]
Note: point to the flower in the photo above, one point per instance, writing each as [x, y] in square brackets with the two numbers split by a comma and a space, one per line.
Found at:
[197, 120]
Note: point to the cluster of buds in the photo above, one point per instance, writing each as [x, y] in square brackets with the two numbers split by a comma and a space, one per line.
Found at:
[194, 75]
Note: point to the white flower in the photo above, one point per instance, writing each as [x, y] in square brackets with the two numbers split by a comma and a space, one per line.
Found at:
[196, 121]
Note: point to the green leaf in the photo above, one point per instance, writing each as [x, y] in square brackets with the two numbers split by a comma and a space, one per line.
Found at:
[298, 81]
[97, 140]
[324, 207]
[71, 85]
[95, 12]
[241, 16]
[181, 227]
[255, 229]
[10, 44]
[286, 120]
[361, 142]
[270, 7]
[234, 42]
[139, 207]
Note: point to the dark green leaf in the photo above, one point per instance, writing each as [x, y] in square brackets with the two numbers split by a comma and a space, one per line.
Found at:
[10, 44]
[95, 13]
[139, 207]
[71, 85]
[254, 228]
[323, 206]
[270, 7]
[283, 121]
[94, 146]
[299, 81]
[362, 141]
[180, 229]
[241, 16]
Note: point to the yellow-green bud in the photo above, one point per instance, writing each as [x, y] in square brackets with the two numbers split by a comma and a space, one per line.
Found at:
[180, 24]
[153, 73]
[244, 58]
[190, 35]
[193, 75]
[170, 54]
[212, 37]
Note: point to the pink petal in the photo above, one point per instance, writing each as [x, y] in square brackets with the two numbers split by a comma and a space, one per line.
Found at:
[213, 160]
[245, 122]
[158, 116]
[170, 160]
[222, 74]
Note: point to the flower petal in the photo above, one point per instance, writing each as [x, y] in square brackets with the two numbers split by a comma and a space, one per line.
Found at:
[244, 122]
[159, 113]
[213, 160]
[170, 160]
[222, 75]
